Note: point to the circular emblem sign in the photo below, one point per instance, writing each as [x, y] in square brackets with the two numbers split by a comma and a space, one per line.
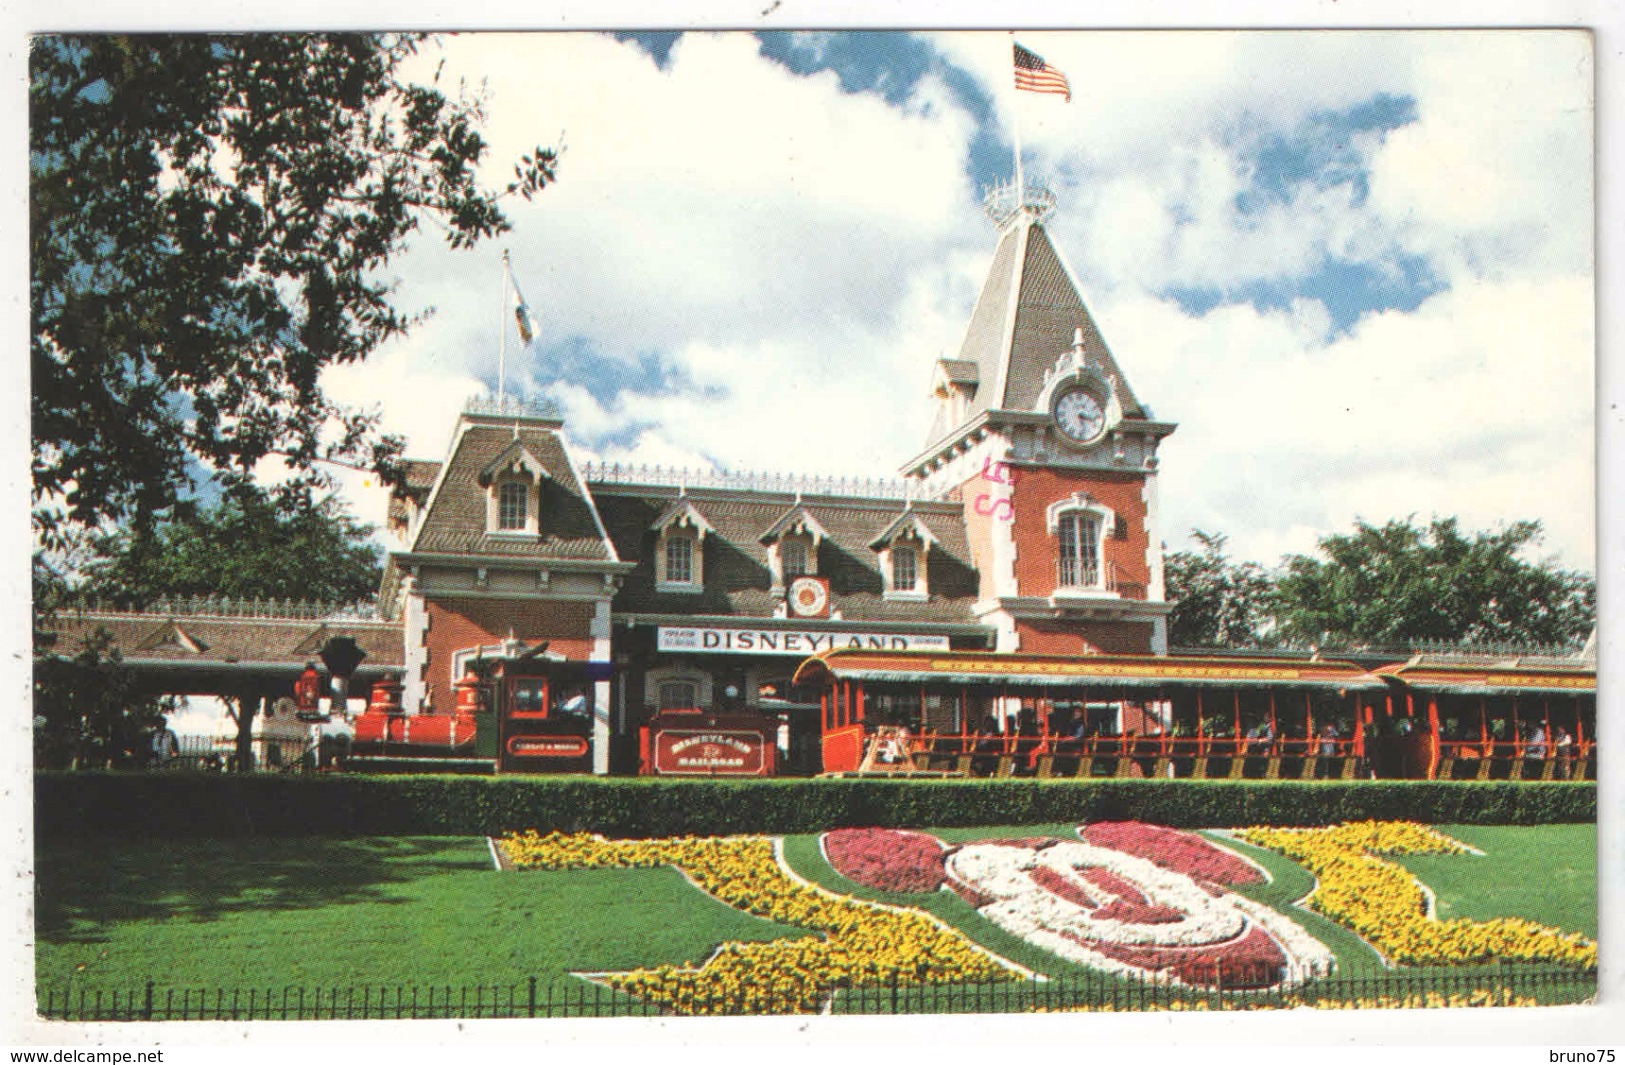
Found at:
[809, 597]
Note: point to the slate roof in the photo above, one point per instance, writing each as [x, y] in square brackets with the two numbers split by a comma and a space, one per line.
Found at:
[456, 520]
[1027, 274]
[204, 641]
[736, 576]
[420, 478]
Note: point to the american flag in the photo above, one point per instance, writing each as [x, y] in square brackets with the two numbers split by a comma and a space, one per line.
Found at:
[1035, 75]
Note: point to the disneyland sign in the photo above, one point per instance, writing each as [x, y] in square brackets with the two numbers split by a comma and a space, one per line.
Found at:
[788, 642]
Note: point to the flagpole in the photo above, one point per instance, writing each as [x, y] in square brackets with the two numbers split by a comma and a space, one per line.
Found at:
[502, 344]
[1015, 123]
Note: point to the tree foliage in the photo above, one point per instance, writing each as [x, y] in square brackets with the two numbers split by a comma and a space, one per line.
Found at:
[1401, 583]
[248, 547]
[89, 712]
[1217, 601]
[209, 220]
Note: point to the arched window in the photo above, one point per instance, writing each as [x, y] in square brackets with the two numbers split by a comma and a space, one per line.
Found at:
[679, 558]
[904, 568]
[679, 695]
[793, 551]
[513, 498]
[1079, 536]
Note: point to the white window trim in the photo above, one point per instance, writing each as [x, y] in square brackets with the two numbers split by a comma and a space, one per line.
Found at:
[654, 678]
[696, 560]
[1081, 503]
[921, 590]
[776, 559]
[493, 507]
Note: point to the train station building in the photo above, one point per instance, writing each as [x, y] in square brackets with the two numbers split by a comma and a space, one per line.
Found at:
[539, 613]
[1027, 522]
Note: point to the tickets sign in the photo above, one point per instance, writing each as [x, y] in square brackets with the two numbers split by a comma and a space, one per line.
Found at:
[788, 641]
[710, 752]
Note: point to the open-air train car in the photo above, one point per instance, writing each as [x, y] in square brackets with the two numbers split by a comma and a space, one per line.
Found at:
[985, 714]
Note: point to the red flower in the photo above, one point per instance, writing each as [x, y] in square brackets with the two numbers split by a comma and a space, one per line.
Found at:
[1171, 848]
[1251, 960]
[885, 859]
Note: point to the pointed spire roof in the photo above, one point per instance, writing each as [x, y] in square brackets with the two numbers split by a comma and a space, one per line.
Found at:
[1026, 316]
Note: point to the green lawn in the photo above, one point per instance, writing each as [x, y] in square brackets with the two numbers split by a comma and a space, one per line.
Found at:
[432, 911]
[1547, 874]
[376, 911]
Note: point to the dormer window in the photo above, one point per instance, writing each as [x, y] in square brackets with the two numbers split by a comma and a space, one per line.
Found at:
[792, 545]
[513, 492]
[679, 558]
[1080, 526]
[796, 557]
[680, 547]
[513, 503]
[904, 546]
[904, 568]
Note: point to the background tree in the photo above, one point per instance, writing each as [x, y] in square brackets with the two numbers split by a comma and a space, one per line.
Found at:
[209, 216]
[1401, 583]
[1217, 601]
[88, 710]
[249, 546]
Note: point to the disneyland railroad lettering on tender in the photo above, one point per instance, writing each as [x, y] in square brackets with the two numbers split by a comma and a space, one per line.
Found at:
[785, 642]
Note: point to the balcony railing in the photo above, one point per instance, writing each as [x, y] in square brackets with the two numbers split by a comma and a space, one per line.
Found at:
[1074, 575]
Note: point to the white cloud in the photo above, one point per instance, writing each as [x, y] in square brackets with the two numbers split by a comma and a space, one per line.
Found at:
[799, 255]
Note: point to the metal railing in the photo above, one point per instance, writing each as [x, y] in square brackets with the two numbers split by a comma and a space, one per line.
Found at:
[220, 606]
[751, 480]
[534, 997]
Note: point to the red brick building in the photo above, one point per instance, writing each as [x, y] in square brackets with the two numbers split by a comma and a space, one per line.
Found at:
[1027, 523]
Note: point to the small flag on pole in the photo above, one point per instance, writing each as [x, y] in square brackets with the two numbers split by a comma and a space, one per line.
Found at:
[521, 314]
[1035, 75]
[521, 310]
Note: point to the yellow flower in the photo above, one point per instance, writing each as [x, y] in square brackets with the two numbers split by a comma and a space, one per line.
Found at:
[862, 943]
[1384, 904]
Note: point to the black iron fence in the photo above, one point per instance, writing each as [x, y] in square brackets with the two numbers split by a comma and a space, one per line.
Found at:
[534, 997]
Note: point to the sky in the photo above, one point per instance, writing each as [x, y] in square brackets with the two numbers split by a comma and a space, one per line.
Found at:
[1355, 268]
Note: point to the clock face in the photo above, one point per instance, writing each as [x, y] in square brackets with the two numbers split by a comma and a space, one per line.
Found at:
[809, 597]
[1078, 414]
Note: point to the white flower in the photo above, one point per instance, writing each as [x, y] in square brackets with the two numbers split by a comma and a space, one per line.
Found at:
[1022, 905]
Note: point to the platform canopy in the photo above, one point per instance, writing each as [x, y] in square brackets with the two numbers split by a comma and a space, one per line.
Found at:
[1078, 671]
[218, 646]
[1493, 677]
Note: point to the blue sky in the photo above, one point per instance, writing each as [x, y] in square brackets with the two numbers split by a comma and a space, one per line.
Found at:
[1356, 268]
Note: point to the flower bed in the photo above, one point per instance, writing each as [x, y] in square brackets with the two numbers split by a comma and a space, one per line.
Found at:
[1384, 904]
[861, 943]
[885, 859]
[1183, 852]
[1115, 911]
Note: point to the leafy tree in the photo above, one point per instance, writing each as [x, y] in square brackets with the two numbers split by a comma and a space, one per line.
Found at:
[248, 546]
[1401, 583]
[1217, 601]
[88, 710]
[210, 217]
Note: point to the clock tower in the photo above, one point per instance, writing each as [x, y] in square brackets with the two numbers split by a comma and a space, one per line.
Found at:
[1041, 440]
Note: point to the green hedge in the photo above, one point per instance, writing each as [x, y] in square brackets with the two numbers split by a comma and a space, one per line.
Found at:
[214, 805]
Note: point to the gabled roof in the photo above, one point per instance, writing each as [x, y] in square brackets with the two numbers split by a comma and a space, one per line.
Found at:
[171, 638]
[738, 580]
[906, 523]
[1024, 319]
[211, 642]
[682, 512]
[513, 459]
[455, 521]
[957, 372]
[798, 520]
